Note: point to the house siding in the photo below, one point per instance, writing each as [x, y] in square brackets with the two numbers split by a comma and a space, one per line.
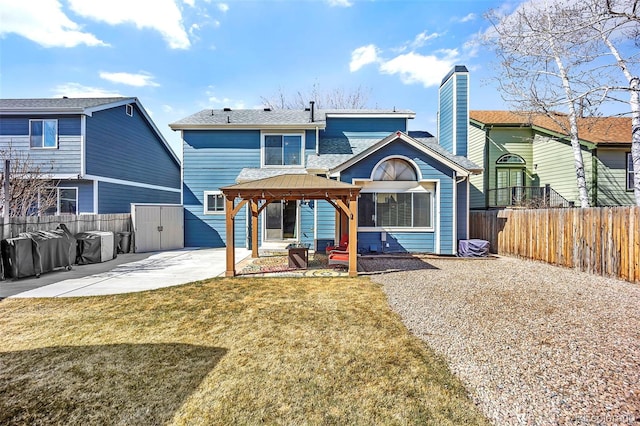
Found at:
[85, 193]
[430, 170]
[446, 116]
[126, 148]
[477, 138]
[612, 178]
[510, 141]
[114, 198]
[342, 127]
[556, 167]
[213, 159]
[461, 211]
[65, 159]
[462, 113]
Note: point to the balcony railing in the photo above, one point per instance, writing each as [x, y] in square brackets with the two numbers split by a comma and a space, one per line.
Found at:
[533, 197]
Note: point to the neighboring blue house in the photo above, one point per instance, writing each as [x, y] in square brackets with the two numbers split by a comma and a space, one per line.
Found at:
[105, 153]
[415, 192]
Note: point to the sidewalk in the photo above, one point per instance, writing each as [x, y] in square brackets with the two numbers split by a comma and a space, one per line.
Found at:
[125, 274]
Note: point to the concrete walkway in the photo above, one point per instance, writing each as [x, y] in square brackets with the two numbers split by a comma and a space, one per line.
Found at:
[149, 271]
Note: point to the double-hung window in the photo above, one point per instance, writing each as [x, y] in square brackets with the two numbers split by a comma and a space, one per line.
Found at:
[395, 210]
[213, 202]
[283, 149]
[43, 133]
[60, 201]
[630, 172]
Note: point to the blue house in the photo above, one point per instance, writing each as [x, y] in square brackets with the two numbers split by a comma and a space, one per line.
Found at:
[413, 187]
[102, 154]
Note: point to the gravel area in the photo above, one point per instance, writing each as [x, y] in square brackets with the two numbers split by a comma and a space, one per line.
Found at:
[534, 344]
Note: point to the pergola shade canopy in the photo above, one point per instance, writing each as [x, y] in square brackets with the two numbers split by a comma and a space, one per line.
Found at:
[296, 186]
[342, 196]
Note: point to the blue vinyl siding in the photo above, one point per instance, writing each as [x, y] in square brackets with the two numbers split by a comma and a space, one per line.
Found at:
[446, 116]
[113, 198]
[65, 159]
[342, 127]
[19, 126]
[326, 220]
[310, 142]
[85, 193]
[461, 210]
[462, 114]
[122, 147]
[399, 242]
[430, 170]
[213, 159]
[306, 223]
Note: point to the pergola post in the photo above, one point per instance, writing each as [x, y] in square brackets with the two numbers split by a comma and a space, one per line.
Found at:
[353, 236]
[230, 234]
[254, 228]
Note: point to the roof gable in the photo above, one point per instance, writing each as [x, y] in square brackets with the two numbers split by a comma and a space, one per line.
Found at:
[460, 164]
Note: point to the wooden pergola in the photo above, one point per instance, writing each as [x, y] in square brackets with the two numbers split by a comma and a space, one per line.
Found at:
[260, 193]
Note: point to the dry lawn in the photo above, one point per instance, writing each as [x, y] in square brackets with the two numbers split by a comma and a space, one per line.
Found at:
[223, 351]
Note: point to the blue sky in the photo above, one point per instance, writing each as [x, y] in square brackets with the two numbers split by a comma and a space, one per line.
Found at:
[180, 56]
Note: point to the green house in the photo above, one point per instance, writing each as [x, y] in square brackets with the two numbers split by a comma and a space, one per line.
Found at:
[528, 160]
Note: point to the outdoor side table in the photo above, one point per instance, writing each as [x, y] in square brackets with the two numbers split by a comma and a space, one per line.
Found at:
[298, 256]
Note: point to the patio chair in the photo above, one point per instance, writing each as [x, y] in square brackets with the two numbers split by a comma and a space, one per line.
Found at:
[339, 258]
[342, 245]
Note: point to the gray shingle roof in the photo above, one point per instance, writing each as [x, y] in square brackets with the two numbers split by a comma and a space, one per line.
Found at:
[248, 174]
[267, 117]
[336, 151]
[38, 104]
[254, 117]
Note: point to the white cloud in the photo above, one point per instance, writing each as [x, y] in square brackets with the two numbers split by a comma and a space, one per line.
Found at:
[191, 3]
[44, 23]
[470, 17]
[77, 90]
[363, 56]
[339, 3]
[223, 7]
[163, 16]
[142, 79]
[424, 69]
[222, 102]
[422, 38]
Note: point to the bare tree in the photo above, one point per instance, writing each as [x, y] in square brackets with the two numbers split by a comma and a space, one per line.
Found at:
[31, 189]
[617, 22]
[332, 99]
[555, 56]
[541, 70]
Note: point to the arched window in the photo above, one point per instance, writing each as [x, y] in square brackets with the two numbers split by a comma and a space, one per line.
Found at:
[395, 169]
[510, 159]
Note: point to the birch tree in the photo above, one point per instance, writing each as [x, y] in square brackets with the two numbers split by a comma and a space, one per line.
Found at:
[541, 69]
[617, 22]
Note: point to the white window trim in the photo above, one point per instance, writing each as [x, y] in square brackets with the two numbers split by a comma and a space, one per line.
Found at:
[57, 189]
[206, 203]
[397, 157]
[58, 198]
[57, 133]
[282, 166]
[629, 172]
[129, 110]
[385, 189]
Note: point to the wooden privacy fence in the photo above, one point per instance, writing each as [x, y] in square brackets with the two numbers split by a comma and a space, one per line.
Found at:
[603, 241]
[115, 223]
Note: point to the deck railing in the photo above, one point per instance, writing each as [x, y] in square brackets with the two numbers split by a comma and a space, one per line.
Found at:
[532, 197]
